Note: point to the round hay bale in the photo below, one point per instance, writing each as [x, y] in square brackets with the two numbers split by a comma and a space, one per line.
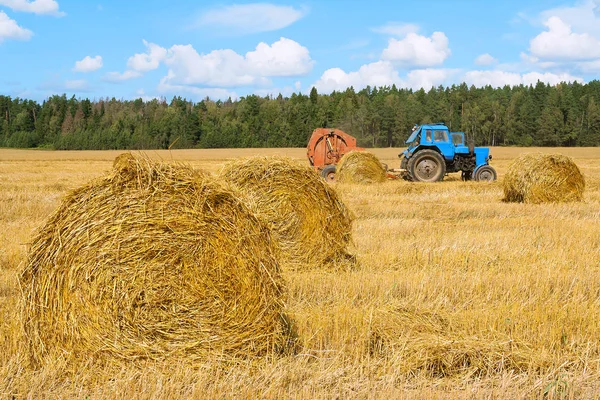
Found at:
[543, 178]
[360, 167]
[311, 224]
[153, 261]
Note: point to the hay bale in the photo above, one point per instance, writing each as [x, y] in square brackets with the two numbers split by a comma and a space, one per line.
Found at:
[543, 178]
[311, 224]
[153, 261]
[360, 167]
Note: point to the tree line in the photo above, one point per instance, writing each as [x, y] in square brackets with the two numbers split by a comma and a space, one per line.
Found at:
[567, 114]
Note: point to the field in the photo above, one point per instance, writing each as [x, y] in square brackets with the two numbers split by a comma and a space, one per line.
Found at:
[456, 294]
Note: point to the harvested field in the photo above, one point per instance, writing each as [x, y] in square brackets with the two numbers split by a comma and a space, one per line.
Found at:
[456, 294]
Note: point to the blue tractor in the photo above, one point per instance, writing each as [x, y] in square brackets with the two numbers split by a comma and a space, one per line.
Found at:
[433, 151]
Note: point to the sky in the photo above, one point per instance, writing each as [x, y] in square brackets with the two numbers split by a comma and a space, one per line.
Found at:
[194, 49]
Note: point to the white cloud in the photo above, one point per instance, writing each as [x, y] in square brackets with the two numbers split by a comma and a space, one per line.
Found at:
[584, 16]
[115, 77]
[532, 78]
[9, 29]
[226, 68]
[88, 64]
[251, 18]
[37, 6]
[428, 78]
[485, 59]
[417, 50]
[396, 29]
[560, 43]
[221, 68]
[379, 73]
[501, 78]
[283, 58]
[217, 68]
[214, 93]
[144, 62]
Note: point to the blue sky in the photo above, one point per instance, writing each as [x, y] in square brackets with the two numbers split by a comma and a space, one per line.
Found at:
[194, 49]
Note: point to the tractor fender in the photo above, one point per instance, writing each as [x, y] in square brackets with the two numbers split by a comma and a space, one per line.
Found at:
[421, 148]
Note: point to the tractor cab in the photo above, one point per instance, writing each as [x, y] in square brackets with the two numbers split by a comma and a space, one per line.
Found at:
[434, 151]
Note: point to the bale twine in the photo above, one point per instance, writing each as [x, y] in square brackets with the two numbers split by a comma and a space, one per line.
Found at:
[311, 224]
[360, 167]
[153, 261]
[543, 178]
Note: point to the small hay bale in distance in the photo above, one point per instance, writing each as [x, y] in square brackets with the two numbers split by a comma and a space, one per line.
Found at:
[543, 178]
[309, 221]
[360, 167]
[153, 261]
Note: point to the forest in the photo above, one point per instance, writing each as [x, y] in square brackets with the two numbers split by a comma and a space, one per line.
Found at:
[567, 114]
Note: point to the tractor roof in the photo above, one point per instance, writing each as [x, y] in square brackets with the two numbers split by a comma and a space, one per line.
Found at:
[413, 136]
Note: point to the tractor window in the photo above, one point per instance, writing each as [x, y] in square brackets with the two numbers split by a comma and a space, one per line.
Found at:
[428, 135]
[441, 136]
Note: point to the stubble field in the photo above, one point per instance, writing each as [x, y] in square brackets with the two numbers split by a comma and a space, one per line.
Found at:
[456, 294]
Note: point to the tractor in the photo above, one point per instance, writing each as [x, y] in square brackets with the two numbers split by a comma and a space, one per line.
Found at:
[433, 151]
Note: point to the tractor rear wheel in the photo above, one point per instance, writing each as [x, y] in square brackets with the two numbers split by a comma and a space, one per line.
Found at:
[427, 166]
[328, 173]
[485, 173]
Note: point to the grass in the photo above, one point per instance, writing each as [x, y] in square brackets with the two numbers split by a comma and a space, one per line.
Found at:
[456, 295]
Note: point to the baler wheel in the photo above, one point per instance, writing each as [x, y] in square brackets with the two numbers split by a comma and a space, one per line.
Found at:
[328, 173]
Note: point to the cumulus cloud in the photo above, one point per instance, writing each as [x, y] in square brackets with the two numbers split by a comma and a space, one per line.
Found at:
[417, 50]
[584, 16]
[283, 58]
[214, 93]
[251, 18]
[485, 59]
[396, 29]
[559, 42]
[379, 73]
[382, 73]
[49, 7]
[501, 78]
[144, 62]
[88, 64]
[428, 78]
[9, 29]
[225, 68]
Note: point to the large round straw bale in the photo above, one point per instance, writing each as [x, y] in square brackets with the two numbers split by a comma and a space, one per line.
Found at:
[311, 224]
[360, 167]
[153, 261]
[542, 178]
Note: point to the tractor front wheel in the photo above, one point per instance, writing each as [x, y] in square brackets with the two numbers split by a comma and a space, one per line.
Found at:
[328, 173]
[485, 173]
[427, 166]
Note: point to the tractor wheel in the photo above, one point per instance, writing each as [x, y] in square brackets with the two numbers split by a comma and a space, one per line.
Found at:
[466, 175]
[427, 166]
[485, 173]
[328, 173]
